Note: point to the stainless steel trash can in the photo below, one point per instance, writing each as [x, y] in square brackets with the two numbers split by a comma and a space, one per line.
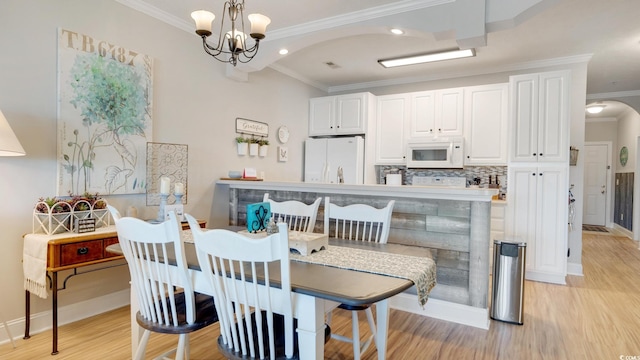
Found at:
[507, 298]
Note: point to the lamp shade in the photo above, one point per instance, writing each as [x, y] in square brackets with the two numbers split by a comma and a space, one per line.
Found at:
[9, 144]
[259, 24]
[203, 21]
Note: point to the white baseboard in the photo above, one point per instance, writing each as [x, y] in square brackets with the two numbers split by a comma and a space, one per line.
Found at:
[545, 277]
[574, 269]
[443, 310]
[41, 321]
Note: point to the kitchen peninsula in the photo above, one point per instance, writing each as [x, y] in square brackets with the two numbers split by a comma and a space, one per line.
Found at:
[452, 223]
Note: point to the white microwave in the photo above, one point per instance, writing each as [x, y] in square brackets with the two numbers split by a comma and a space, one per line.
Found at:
[436, 153]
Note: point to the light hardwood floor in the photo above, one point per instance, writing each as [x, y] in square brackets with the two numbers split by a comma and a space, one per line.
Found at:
[593, 317]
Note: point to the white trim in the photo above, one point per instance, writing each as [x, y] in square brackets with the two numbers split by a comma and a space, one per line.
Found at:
[624, 231]
[574, 269]
[617, 94]
[42, 321]
[443, 310]
[154, 12]
[545, 277]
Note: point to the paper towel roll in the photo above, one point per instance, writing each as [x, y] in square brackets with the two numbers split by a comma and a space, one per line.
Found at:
[394, 179]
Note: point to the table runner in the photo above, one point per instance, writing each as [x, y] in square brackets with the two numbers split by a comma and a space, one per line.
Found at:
[34, 264]
[420, 270]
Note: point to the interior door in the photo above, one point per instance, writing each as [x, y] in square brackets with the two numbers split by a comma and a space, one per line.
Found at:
[595, 184]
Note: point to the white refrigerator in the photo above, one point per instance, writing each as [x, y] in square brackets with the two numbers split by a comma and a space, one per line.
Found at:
[323, 157]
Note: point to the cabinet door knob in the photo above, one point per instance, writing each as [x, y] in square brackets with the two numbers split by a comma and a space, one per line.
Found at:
[83, 251]
[540, 174]
[534, 154]
[540, 154]
[468, 156]
[534, 174]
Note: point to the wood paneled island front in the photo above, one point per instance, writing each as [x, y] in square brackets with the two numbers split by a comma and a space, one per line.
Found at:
[453, 223]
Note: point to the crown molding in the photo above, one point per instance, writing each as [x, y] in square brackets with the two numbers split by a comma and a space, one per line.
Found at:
[312, 26]
[569, 60]
[161, 15]
[355, 17]
[611, 95]
[601, 120]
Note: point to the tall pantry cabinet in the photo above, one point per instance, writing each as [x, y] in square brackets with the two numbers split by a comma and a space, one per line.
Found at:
[538, 184]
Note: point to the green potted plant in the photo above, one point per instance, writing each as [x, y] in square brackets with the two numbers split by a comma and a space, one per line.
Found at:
[52, 216]
[253, 147]
[264, 147]
[242, 144]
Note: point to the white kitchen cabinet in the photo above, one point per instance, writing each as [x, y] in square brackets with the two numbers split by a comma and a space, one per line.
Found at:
[436, 113]
[391, 130]
[339, 115]
[537, 213]
[540, 112]
[485, 124]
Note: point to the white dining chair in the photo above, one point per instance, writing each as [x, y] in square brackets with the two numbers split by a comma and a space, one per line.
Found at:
[167, 301]
[299, 216]
[357, 222]
[256, 317]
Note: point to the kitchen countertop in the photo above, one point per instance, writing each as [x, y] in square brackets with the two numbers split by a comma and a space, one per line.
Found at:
[427, 192]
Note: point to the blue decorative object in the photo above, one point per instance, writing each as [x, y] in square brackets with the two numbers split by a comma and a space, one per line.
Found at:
[258, 215]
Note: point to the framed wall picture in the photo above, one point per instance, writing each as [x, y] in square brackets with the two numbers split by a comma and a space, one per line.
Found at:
[283, 154]
[104, 116]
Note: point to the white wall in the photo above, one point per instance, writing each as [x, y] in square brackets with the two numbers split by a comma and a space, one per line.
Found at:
[194, 104]
[628, 131]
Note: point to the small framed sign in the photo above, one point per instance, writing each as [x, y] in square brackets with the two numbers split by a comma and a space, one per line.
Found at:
[283, 153]
[85, 225]
[246, 126]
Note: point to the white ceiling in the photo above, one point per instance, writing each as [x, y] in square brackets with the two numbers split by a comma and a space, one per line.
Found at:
[507, 34]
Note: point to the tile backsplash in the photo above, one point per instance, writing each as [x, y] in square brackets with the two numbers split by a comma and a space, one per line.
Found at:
[469, 172]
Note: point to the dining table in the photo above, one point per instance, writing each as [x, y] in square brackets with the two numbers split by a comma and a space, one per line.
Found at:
[319, 288]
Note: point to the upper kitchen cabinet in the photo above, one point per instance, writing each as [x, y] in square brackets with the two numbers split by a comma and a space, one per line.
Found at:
[485, 124]
[339, 115]
[540, 112]
[436, 113]
[391, 130]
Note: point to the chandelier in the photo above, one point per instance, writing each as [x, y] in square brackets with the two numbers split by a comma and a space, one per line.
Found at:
[232, 44]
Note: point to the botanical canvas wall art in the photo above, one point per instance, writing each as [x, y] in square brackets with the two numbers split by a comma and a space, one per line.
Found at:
[104, 116]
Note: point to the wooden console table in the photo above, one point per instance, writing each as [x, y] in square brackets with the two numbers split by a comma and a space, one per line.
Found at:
[70, 251]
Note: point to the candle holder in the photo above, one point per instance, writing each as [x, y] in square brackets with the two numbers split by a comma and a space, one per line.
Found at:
[179, 208]
[161, 210]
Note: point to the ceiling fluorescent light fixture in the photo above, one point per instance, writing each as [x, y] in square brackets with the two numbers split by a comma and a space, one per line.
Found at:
[425, 58]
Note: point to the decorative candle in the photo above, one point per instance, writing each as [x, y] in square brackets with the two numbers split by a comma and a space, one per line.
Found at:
[179, 189]
[165, 184]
